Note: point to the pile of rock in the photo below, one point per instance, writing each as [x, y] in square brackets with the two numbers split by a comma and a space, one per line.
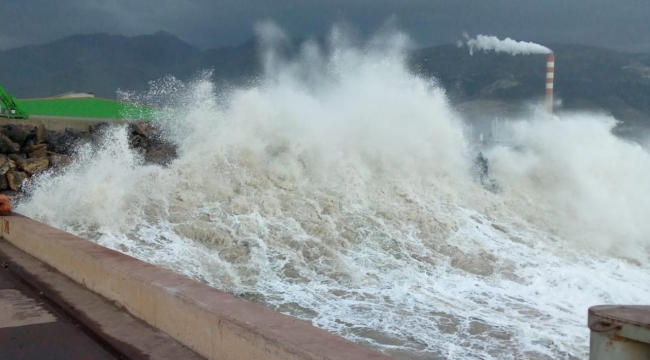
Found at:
[28, 150]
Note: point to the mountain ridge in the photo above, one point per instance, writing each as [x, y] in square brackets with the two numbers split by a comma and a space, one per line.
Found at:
[587, 77]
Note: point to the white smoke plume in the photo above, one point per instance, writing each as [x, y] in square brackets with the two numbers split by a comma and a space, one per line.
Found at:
[508, 45]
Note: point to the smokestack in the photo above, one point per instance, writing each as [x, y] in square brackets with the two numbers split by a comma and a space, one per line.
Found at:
[550, 77]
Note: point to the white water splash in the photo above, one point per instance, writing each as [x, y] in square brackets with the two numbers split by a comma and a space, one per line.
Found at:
[507, 45]
[339, 191]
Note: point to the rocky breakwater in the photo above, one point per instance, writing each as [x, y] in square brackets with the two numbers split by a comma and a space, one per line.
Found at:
[27, 150]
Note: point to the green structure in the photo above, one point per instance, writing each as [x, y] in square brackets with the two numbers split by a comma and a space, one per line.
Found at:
[9, 108]
[72, 105]
[88, 107]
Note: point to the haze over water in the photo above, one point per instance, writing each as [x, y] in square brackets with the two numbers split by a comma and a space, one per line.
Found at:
[339, 189]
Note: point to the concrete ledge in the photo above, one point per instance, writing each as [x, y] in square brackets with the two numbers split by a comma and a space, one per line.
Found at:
[117, 331]
[58, 123]
[215, 324]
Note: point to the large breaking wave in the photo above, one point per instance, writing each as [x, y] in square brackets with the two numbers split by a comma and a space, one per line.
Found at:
[339, 189]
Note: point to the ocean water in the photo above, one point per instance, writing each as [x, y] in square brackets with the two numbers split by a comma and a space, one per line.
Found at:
[339, 189]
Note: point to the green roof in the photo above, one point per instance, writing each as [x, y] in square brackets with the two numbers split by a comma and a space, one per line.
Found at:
[86, 108]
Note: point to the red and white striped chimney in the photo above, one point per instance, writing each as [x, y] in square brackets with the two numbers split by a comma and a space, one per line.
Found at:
[550, 76]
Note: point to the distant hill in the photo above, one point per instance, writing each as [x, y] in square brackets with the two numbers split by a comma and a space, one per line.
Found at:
[96, 63]
[102, 64]
[586, 77]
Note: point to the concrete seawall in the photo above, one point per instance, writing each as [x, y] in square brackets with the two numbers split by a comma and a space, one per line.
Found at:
[58, 123]
[215, 324]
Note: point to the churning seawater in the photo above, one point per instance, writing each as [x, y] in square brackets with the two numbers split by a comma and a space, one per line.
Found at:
[339, 190]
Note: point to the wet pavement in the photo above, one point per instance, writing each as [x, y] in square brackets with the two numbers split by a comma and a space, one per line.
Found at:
[46, 315]
[32, 329]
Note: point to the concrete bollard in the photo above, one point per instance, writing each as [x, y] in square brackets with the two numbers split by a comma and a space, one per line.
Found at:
[619, 332]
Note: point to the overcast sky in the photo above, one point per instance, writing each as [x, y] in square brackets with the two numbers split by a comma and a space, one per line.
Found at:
[618, 24]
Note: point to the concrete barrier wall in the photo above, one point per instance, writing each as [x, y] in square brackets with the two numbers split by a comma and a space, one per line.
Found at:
[58, 123]
[215, 324]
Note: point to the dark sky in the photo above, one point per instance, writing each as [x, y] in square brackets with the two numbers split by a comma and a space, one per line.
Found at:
[618, 24]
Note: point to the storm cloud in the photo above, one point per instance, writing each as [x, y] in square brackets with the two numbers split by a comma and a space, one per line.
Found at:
[622, 25]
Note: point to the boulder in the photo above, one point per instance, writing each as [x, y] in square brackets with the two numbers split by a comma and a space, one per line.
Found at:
[80, 137]
[15, 179]
[38, 151]
[138, 142]
[78, 134]
[98, 129]
[65, 142]
[58, 160]
[28, 145]
[5, 165]
[162, 156]
[18, 133]
[56, 140]
[33, 165]
[147, 139]
[41, 133]
[4, 184]
[7, 146]
[146, 130]
[16, 157]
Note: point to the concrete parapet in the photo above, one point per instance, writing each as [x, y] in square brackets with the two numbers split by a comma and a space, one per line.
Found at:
[58, 123]
[213, 323]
